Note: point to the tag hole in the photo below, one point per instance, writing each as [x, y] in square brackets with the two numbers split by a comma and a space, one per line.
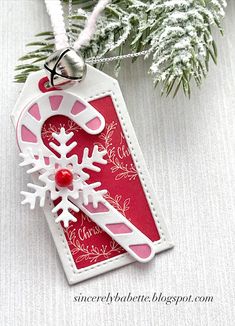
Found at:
[47, 85]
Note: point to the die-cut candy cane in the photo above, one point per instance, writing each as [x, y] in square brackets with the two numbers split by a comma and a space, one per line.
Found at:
[64, 179]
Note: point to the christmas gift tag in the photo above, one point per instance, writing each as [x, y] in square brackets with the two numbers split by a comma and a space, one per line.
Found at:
[88, 174]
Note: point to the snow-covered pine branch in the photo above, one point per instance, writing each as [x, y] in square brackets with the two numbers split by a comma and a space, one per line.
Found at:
[179, 33]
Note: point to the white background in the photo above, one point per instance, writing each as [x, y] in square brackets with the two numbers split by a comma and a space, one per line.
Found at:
[189, 149]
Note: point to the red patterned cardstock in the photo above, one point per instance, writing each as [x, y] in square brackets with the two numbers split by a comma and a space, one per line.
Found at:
[84, 248]
[88, 243]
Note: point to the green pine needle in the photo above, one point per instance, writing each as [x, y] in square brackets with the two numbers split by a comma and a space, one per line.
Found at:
[179, 34]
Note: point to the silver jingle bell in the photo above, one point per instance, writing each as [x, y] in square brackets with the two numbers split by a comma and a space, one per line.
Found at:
[64, 67]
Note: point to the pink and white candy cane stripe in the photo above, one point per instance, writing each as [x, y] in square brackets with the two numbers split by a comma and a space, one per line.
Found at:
[105, 215]
[51, 104]
[120, 229]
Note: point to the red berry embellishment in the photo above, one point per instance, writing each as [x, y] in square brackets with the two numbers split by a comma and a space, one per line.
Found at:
[63, 178]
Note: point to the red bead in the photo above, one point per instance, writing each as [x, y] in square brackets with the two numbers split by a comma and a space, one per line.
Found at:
[63, 178]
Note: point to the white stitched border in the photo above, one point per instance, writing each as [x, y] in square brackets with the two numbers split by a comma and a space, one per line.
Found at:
[146, 191]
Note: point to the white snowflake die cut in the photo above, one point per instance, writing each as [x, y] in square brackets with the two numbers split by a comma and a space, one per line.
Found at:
[49, 170]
